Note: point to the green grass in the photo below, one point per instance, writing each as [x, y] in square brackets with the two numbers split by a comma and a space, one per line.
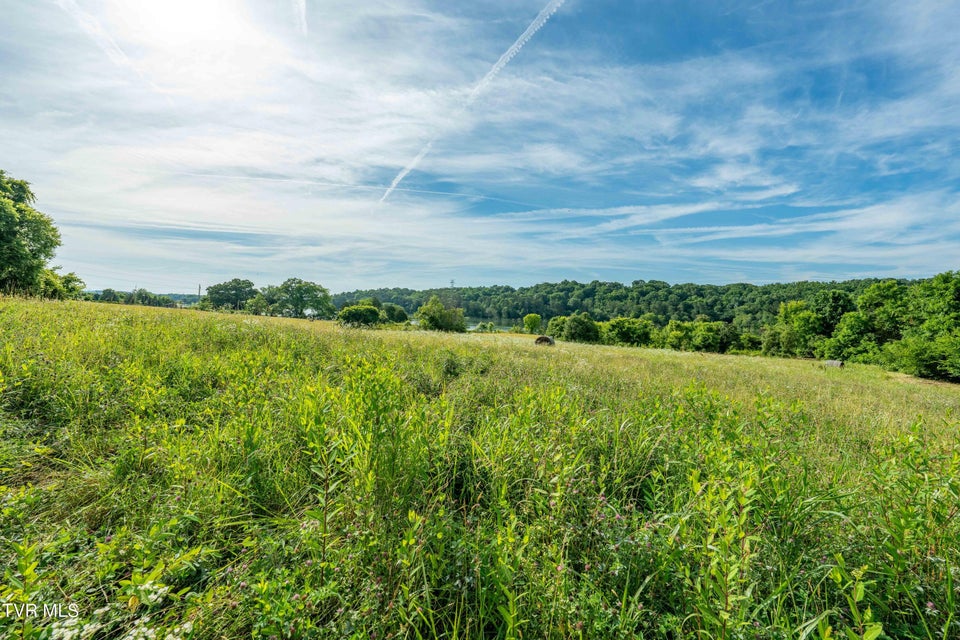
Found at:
[208, 476]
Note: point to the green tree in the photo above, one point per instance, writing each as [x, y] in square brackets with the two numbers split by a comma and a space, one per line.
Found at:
[233, 293]
[359, 315]
[28, 238]
[257, 305]
[394, 313]
[371, 301]
[853, 339]
[884, 305]
[796, 332]
[556, 326]
[531, 323]
[628, 331]
[109, 295]
[830, 306]
[434, 316]
[580, 327]
[296, 297]
[68, 286]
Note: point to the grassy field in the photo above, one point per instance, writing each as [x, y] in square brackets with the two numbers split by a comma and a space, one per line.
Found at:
[174, 474]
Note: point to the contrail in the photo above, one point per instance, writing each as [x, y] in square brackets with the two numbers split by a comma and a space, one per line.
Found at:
[356, 187]
[104, 40]
[300, 8]
[505, 59]
[95, 30]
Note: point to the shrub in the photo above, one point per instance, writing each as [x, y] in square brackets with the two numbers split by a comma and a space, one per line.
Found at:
[580, 327]
[359, 315]
[433, 316]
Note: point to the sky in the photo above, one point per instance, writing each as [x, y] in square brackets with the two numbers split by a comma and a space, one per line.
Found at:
[408, 143]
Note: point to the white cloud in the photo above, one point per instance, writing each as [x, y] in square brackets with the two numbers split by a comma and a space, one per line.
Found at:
[165, 123]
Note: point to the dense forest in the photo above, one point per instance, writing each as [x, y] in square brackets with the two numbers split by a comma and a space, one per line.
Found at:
[906, 325]
[748, 307]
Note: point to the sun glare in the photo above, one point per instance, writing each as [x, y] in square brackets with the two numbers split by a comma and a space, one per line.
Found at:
[179, 23]
[201, 48]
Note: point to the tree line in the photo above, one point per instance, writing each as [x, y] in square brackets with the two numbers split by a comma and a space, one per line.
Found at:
[911, 326]
[907, 325]
[748, 307]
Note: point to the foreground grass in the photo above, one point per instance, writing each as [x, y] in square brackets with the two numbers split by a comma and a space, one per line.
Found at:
[193, 475]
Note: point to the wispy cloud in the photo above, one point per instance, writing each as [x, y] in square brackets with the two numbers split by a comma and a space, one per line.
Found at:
[300, 10]
[497, 67]
[743, 143]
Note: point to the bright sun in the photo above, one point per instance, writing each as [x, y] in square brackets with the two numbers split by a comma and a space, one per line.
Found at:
[203, 48]
[177, 23]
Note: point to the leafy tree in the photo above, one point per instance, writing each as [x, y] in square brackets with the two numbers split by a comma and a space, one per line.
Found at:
[628, 331]
[557, 326]
[372, 301]
[257, 305]
[68, 286]
[28, 238]
[830, 306]
[930, 346]
[296, 297]
[677, 335]
[531, 323]
[884, 305]
[797, 331]
[233, 293]
[359, 315]
[434, 316]
[853, 339]
[580, 327]
[108, 295]
[713, 337]
[394, 313]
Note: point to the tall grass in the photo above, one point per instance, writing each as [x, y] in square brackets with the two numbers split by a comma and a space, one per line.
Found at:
[196, 475]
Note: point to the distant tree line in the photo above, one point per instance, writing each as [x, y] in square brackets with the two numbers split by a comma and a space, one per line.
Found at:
[905, 325]
[137, 296]
[748, 307]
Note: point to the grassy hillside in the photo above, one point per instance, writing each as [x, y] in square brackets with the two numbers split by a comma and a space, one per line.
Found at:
[197, 475]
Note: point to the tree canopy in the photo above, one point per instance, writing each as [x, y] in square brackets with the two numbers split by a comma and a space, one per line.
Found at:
[233, 293]
[434, 316]
[28, 238]
[28, 241]
[298, 297]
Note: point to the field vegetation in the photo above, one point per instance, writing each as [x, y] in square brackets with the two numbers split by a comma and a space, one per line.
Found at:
[176, 474]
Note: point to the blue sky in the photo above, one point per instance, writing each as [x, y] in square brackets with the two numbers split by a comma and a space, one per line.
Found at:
[187, 142]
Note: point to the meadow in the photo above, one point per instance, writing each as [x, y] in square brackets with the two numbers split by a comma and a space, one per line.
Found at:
[178, 474]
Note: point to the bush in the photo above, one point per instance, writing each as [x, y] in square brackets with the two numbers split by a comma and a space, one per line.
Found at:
[359, 315]
[433, 316]
[580, 327]
[531, 323]
[627, 331]
[556, 326]
[394, 313]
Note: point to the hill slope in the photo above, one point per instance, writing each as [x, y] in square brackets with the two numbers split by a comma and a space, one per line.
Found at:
[219, 476]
